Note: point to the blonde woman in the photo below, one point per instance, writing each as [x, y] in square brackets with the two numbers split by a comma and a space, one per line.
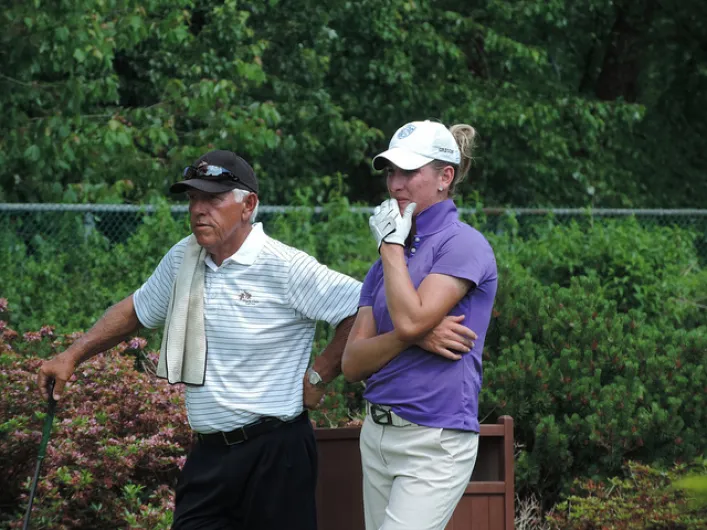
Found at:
[420, 438]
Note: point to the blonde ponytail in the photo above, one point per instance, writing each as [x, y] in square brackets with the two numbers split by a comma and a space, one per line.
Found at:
[465, 135]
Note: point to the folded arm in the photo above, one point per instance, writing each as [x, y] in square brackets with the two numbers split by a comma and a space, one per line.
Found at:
[366, 352]
[416, 312]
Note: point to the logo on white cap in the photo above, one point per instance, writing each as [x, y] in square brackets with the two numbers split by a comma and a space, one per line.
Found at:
[418, 143]
[406, 131]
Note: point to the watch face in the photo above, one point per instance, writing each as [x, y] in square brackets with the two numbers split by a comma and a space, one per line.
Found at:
[314, 378]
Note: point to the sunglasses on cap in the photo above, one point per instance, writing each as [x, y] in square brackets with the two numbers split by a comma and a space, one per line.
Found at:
[213, 173]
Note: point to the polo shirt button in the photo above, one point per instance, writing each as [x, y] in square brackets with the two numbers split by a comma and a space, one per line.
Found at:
[413, 250]
[417, 239]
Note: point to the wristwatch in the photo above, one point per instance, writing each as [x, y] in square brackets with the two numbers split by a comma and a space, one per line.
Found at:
[315, 379]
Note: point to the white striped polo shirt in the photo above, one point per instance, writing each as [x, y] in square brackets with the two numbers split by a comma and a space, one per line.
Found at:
[260, 311]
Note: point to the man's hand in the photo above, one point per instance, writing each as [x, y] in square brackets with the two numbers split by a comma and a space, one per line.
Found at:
[388, 225]
[118, 323]
[448, 337]
[313, 396]
[59, 369]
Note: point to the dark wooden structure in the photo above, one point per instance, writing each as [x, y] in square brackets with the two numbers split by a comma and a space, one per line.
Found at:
[487, 504]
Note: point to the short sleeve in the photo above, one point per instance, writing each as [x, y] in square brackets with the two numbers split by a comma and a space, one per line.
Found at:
[369, 284]
[467, 255]
[320, 293]
[151, 300]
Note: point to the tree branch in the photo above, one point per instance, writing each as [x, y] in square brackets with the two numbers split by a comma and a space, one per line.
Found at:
[17, 81]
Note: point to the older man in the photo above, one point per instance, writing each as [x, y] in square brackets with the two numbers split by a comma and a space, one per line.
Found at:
[239, 311]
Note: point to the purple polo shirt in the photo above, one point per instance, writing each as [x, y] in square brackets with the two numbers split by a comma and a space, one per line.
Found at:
[421, 386]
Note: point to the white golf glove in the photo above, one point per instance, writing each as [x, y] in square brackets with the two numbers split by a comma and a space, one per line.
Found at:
[388, 226]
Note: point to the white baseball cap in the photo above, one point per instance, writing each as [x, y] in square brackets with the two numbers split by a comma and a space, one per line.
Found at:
[418, 143]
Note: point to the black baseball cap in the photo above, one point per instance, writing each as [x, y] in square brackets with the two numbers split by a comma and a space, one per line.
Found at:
[216, 172]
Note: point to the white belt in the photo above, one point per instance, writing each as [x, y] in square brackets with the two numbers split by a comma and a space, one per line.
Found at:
[383, 415]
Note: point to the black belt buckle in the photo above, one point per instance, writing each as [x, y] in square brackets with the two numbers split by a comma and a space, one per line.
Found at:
[381, 416]
[240, 435]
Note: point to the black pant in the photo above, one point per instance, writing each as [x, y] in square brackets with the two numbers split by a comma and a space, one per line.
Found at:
[266, 483]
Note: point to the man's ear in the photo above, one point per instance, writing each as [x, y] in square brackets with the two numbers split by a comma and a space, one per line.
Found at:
[249, 204]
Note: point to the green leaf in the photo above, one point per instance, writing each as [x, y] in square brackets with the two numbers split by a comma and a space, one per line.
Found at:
[32, 153]
[79, 55]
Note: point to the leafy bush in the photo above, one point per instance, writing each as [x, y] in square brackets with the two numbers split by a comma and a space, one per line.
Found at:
[695, 486]
[594, 352]
[117, 445]
[644, 499]
[71, 285]
[638, 266]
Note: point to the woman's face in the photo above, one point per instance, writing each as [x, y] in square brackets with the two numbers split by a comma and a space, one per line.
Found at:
[420, 186]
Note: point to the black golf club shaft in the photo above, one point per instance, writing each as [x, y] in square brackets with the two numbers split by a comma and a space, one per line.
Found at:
[46, 431]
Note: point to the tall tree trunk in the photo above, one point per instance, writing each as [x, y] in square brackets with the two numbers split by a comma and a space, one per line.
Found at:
[622, 61]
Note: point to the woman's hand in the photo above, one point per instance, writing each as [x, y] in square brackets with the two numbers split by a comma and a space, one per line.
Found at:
[449, 337]
[388, 225]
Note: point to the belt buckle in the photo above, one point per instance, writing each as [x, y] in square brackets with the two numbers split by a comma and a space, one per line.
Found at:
[378, 414]
[228, 442]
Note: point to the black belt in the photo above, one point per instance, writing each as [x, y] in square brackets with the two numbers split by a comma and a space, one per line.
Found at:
[383, 415]
[247, 432]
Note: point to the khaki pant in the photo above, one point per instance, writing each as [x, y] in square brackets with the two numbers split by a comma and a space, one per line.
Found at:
[413, 476]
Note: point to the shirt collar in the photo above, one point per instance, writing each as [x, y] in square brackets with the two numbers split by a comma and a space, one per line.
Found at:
[436, 217]
[249, 250]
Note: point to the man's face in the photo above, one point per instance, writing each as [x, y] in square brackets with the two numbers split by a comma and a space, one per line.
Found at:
[214, 218]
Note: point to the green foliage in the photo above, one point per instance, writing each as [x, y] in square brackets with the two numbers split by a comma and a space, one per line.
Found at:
[644, 268]
[594, 352]
[695, 488]
[73, 285]
[118, 442]
[642, 500]
[333, 233]
[592, 103]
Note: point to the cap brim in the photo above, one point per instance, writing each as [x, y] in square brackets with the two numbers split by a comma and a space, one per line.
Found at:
[402, 158]
[209, 186]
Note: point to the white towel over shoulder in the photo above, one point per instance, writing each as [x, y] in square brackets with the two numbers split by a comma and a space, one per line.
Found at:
[183, 351]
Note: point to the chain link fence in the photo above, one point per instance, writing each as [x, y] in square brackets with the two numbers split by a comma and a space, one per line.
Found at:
[60, 223]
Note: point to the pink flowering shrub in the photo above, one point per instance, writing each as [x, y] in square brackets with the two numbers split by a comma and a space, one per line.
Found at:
[120, 437]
